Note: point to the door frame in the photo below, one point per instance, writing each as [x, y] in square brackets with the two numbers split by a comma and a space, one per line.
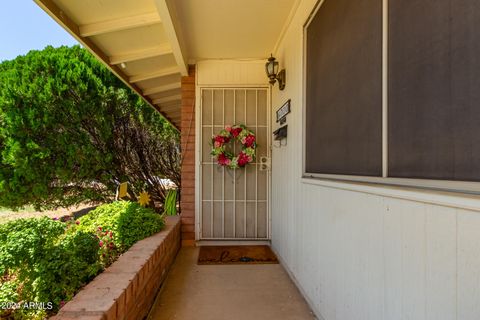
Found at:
[198, 157]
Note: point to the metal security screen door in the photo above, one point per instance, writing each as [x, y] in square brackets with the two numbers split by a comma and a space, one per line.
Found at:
[234, 204]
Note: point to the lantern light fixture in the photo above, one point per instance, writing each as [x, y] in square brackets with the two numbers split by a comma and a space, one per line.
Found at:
[271, 67]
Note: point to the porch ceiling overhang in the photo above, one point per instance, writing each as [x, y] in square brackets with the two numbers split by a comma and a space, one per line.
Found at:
[233, 29]
[135, 39]
[147, 43]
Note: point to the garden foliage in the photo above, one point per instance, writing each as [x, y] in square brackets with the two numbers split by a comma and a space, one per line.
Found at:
[45, 260]
[70, 132]
[129, 222]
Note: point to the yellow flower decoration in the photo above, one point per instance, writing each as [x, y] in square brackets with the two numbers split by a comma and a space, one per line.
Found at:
[144, 198]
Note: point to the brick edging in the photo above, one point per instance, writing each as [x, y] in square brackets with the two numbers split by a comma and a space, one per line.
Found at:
[127, 289]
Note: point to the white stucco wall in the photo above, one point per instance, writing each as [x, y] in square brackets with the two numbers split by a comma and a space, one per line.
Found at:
[368, 252]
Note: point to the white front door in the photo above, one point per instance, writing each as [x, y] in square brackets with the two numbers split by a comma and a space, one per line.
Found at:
[234, 204]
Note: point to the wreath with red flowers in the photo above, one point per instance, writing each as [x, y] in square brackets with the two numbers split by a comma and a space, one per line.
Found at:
[226, 158]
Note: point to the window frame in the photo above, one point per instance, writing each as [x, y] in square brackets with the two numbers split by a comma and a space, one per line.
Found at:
[466, 187]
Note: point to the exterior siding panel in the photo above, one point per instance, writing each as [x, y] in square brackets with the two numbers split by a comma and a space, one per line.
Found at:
[365, 254]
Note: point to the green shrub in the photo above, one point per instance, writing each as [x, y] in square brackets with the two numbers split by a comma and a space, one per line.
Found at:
[128, 221]
[24, 242]
[48, 262]
[67, 266]
[43, 260]
[8, 291]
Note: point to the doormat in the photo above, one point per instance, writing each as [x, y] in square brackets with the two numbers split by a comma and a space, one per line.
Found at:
[236, 255]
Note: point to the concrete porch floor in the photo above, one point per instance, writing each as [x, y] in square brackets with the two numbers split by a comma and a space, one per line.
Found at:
[227, 292]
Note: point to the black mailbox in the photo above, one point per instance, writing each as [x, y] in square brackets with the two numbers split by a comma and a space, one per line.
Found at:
[280, 133]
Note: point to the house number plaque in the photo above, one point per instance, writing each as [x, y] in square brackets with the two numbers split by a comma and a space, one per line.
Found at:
[283, 111]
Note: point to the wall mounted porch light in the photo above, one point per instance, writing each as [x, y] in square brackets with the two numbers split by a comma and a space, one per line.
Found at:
[271, 67]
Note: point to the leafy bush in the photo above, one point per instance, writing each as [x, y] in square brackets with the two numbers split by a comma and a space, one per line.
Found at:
[46, 261]
[71, 131]
[67, 267]
[128, 221]
[23, 242]
[43, 260]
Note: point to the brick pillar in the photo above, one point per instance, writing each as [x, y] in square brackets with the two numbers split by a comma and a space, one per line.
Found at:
[187, 201]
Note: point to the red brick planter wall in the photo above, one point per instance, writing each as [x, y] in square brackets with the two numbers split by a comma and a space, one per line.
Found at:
[127, 289]
[187, 201]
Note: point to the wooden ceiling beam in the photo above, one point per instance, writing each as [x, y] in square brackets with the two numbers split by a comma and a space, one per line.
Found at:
[157, 74]
[173, 33]
[176, 97]
[175, 115]
[156, 51]
[164, 94]
[167, 87]
[93, 29]
[171, 104]
[171, 107]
